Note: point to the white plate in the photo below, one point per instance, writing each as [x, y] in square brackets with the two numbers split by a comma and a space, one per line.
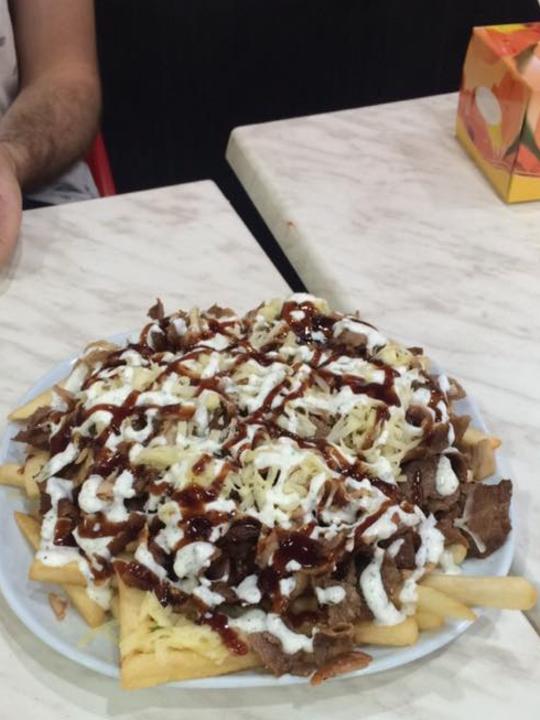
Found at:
[29, 602]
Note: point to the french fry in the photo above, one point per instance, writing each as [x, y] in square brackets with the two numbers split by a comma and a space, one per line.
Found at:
[438, 603]
[115, 607]
[140, 670]
[31, 469]
[91, 612]
[473, 436]
[459, 552]
[12, 474]
[405, 633]
[30, 528]
[510, 593]
[480, 449]
[69, 574]
[428, 621]
[129, 603]
[28, 409]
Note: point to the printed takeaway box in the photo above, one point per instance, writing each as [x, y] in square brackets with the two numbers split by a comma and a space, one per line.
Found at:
[498, 120]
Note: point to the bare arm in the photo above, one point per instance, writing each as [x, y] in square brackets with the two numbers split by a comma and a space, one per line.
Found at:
[55, 115]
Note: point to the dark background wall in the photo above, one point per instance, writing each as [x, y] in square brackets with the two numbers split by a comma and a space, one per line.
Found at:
[178, 75]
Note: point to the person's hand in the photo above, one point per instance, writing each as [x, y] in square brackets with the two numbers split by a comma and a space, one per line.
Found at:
[10, 205]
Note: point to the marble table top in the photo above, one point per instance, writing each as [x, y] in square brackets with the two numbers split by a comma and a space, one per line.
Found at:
[379, 209]
[92, 269]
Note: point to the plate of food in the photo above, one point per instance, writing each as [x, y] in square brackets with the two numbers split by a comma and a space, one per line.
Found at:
[227, 501]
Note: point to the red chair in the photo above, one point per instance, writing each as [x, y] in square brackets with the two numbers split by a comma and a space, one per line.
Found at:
[98, 162]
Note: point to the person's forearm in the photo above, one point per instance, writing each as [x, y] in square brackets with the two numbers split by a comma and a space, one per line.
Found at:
[50, 125]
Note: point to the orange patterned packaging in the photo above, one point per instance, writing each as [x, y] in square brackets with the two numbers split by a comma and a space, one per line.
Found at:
[498, 119]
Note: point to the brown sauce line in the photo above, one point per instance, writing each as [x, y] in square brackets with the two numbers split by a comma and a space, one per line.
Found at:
[384, 392]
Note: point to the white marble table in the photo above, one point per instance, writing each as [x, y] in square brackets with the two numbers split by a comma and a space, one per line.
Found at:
[380, 209]
[92, 269]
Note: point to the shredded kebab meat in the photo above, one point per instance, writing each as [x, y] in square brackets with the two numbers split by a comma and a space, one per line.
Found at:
[487, 516]
[272, 475]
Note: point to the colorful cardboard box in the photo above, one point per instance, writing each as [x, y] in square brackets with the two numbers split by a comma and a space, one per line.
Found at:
[498, 119]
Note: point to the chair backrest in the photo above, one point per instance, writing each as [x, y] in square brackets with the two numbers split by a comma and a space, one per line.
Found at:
[98, 162]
